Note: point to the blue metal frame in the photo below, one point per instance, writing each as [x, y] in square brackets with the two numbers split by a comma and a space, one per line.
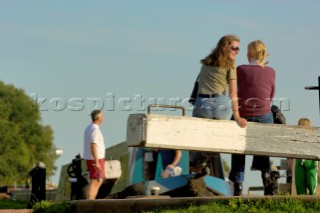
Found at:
[137, 175]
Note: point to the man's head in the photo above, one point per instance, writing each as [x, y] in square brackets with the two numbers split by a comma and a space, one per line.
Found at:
[97, 116]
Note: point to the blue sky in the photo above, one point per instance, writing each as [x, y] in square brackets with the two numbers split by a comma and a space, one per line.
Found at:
[64, 51]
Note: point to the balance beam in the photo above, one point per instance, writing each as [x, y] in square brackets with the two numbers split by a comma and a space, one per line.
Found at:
[199, 134]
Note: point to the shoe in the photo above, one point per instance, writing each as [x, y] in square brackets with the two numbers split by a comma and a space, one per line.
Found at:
[270, 182]
[237, 189]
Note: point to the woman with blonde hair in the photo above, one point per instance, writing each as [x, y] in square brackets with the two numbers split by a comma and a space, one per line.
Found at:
[306, 171]
[256, 89]
[217, 93]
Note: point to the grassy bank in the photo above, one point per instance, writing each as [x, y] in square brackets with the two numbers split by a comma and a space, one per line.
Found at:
[262, 206]
[10, 204]
[291, 205]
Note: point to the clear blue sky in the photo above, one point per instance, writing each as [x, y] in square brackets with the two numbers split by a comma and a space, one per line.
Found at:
[62, 50]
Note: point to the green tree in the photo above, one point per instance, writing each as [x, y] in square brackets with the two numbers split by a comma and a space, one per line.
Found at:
[23, 139]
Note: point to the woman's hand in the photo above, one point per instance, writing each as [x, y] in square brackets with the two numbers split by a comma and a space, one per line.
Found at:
[170, 166]
[241, 121]
[234, 103]
[165, 173]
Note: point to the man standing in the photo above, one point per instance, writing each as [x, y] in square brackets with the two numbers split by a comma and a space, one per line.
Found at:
[94, 153]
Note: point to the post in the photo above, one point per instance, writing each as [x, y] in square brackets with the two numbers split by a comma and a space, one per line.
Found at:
[315, 88]
[78, 182]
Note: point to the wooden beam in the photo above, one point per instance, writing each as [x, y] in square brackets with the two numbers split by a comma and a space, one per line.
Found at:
[198, 134]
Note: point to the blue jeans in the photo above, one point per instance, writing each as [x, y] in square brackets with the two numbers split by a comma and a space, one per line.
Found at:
[259, 162]
[213, 108]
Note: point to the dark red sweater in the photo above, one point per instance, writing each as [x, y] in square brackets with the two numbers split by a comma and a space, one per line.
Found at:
[256, 88]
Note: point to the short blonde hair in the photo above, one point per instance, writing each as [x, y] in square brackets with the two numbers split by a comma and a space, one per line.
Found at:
[304, 122]
[257, 50]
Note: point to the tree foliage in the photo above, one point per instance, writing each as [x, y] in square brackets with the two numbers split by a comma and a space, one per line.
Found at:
[24, 141]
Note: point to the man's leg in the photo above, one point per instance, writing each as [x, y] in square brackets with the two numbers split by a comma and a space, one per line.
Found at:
[300, 178]
[96, 178]
[94, 186]
[237, 172]
[312, 176]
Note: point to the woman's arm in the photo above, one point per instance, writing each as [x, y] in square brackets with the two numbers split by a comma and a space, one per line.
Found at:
[234, 103]
[176, 158]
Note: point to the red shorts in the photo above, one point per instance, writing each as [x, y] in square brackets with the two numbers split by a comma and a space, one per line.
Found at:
[94, 173]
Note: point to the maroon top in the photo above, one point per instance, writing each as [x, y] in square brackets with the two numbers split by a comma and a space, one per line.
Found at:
[256, 88]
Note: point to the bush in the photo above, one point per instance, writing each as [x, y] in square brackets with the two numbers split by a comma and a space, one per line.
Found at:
[51, 207]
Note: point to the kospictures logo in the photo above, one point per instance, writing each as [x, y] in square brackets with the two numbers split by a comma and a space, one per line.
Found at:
[135, 103]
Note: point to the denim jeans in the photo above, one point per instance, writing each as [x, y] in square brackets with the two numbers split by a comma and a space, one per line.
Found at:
[259, 162]
[213, 108]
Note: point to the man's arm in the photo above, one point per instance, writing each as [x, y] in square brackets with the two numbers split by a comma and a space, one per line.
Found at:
[94, 153]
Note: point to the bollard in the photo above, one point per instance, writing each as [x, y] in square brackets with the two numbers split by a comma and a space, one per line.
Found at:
[78, 182]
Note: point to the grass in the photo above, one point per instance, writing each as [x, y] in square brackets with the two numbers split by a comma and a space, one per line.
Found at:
[40, 207]
[10, 204]
[292, 205]
[52, 207]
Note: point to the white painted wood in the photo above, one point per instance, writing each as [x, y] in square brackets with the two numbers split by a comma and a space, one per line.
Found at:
[188, 133]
